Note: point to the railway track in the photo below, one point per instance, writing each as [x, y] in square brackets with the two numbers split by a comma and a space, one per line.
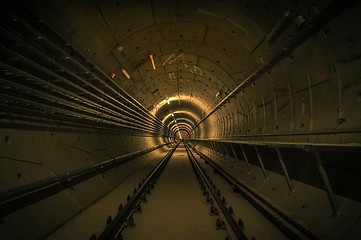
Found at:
[225, 219]
[187, 196]
[124, 217]
[250, 203]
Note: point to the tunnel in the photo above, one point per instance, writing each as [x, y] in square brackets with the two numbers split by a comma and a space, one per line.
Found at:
[180, 119]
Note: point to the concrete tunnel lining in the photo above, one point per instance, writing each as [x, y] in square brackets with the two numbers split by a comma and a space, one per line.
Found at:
[231, 73]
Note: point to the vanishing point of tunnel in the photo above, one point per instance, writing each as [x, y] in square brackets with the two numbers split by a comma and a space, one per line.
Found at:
[180, 119]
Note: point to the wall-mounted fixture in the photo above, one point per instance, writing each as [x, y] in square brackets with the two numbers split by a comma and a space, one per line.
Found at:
[119, 48]
[126, 74]
[279, 26]
[152, 60]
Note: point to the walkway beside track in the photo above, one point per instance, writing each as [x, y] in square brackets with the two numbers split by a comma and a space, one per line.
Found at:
[256, 225]
[93, 219]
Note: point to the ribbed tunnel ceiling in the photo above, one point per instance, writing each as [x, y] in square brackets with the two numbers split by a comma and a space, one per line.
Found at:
[94, 92]
[194, 57]
[202, 51]
[205, 46]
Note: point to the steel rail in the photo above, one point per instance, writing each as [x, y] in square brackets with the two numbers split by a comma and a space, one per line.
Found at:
[115, 227]
[17, 198]
[277, 217]
[239, 234]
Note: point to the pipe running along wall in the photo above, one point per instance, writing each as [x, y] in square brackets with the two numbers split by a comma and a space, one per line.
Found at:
[79, 85]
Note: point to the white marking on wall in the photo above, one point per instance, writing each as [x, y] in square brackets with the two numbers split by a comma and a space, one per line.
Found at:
[170, 59]
[197, 70]
[172, 75]
[173, 57]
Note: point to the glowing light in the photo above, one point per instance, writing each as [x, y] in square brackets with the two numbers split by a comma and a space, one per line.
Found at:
[180, 135]
[177, 98]
[178, 130]
[126, 74]
[168, 101]
[152, 59]
[112, 75]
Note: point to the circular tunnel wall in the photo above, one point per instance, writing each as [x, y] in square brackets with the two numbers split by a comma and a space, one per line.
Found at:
[84, 81]
[202, 52]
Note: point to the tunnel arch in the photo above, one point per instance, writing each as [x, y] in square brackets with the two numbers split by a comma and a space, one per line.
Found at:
[236, 79]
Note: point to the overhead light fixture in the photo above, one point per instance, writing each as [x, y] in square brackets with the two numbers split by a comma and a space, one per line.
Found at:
[112, 75]
[152, 59]
[126, 74]
[218, 93]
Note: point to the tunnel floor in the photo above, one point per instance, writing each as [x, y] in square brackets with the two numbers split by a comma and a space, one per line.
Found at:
[175, 209]
[93, 219]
